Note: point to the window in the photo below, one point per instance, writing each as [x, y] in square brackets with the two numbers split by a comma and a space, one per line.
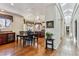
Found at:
[4, 22]
[8, 22]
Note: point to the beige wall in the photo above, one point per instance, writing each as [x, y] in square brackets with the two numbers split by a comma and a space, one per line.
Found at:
[17, 24]
[54, 15]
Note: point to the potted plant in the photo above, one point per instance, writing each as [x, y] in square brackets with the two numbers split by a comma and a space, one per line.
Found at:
[49, 35]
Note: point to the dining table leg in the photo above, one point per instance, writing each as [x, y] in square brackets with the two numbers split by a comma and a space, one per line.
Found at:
[17, 40]
[20, 41]
[37, 42]
[24, 42]
[34, 42]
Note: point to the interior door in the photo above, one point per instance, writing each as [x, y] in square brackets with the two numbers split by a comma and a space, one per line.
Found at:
[76, 29]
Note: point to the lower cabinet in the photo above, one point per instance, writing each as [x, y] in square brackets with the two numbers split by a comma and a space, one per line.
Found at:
[7, 37]
[3, 38]
[11, 37]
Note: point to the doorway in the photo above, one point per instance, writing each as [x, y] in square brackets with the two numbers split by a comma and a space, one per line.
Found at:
[67, 30]
[76, 29]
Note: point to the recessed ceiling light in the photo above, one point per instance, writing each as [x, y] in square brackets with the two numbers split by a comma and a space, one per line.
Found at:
[2, 10]
[12, 4]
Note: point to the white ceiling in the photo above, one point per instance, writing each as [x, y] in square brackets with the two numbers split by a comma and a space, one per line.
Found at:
[32, 10]
[25, 8]
[28, 10]
[67, 9]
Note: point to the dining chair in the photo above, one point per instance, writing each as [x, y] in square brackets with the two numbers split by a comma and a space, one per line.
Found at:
[21, 33]
[30, 39]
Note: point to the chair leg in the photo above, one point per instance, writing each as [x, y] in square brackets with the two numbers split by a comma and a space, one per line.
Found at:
[28, 42]
[20, 41]
[31, 42]
[24, 43]
[34, 42]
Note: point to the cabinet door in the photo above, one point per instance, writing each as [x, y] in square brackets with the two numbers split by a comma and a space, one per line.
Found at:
[11, 37]
[3, 38]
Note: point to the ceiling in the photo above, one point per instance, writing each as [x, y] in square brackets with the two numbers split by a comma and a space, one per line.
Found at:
[25, 8]
[28, 10]
[36, 10]
[67, 9]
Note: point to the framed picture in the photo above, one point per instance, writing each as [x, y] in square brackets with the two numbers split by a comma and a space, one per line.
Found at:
[50, 24]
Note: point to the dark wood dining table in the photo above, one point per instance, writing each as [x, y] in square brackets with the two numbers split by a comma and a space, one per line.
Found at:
[24, 39]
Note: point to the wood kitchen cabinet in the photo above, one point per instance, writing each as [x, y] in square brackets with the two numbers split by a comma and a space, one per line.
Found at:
[6, 37]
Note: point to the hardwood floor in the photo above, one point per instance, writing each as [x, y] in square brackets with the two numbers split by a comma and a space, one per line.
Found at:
[12, 49]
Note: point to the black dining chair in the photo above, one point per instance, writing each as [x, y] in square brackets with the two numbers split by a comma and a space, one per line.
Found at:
[30, 39]
[21, 34]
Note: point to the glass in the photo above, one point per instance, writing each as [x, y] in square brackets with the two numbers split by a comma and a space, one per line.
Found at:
[4, 22]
